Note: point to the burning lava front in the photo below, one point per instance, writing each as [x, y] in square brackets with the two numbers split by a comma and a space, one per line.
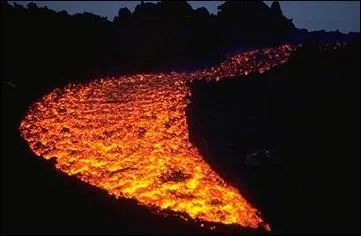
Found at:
[129, 136]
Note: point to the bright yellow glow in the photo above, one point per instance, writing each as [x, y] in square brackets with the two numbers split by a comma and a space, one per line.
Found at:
[129, 136]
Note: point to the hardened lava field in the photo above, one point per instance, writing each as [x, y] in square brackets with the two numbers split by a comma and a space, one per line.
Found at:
[129, 136]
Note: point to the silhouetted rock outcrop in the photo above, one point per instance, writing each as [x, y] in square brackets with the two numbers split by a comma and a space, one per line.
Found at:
[202, 12]
[156, 37]
[32, 6]
[276, 7]
[146, 10]
[253, 21]
[124, 15]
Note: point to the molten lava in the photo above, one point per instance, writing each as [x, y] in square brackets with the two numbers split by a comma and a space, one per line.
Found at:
[129, 136]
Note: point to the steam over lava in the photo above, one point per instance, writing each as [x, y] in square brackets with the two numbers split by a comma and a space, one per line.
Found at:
[129, 136]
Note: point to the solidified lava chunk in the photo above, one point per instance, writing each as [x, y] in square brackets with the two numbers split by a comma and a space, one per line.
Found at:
[65, 130]
[129, 136]
[175, 176]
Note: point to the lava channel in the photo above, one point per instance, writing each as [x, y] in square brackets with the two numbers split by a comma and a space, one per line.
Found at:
[129, 136]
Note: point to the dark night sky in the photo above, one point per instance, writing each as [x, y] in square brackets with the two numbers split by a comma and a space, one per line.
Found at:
[312, 15]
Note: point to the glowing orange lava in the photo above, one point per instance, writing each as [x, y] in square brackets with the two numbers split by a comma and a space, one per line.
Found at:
[129, 136]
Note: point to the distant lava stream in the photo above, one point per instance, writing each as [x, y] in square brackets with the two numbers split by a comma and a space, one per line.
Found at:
[129, 135]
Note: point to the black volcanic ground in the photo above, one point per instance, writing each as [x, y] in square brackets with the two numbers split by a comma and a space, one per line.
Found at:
[305, 113]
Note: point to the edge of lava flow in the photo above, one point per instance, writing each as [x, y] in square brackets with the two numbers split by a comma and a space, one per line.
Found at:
[129, 136]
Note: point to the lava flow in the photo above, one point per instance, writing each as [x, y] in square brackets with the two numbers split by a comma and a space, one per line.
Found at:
[129, 136]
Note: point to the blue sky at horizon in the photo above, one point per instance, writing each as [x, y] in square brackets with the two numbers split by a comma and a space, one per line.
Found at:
[312, 15]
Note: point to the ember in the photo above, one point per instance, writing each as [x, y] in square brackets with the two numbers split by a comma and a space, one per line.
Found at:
[129, 135]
